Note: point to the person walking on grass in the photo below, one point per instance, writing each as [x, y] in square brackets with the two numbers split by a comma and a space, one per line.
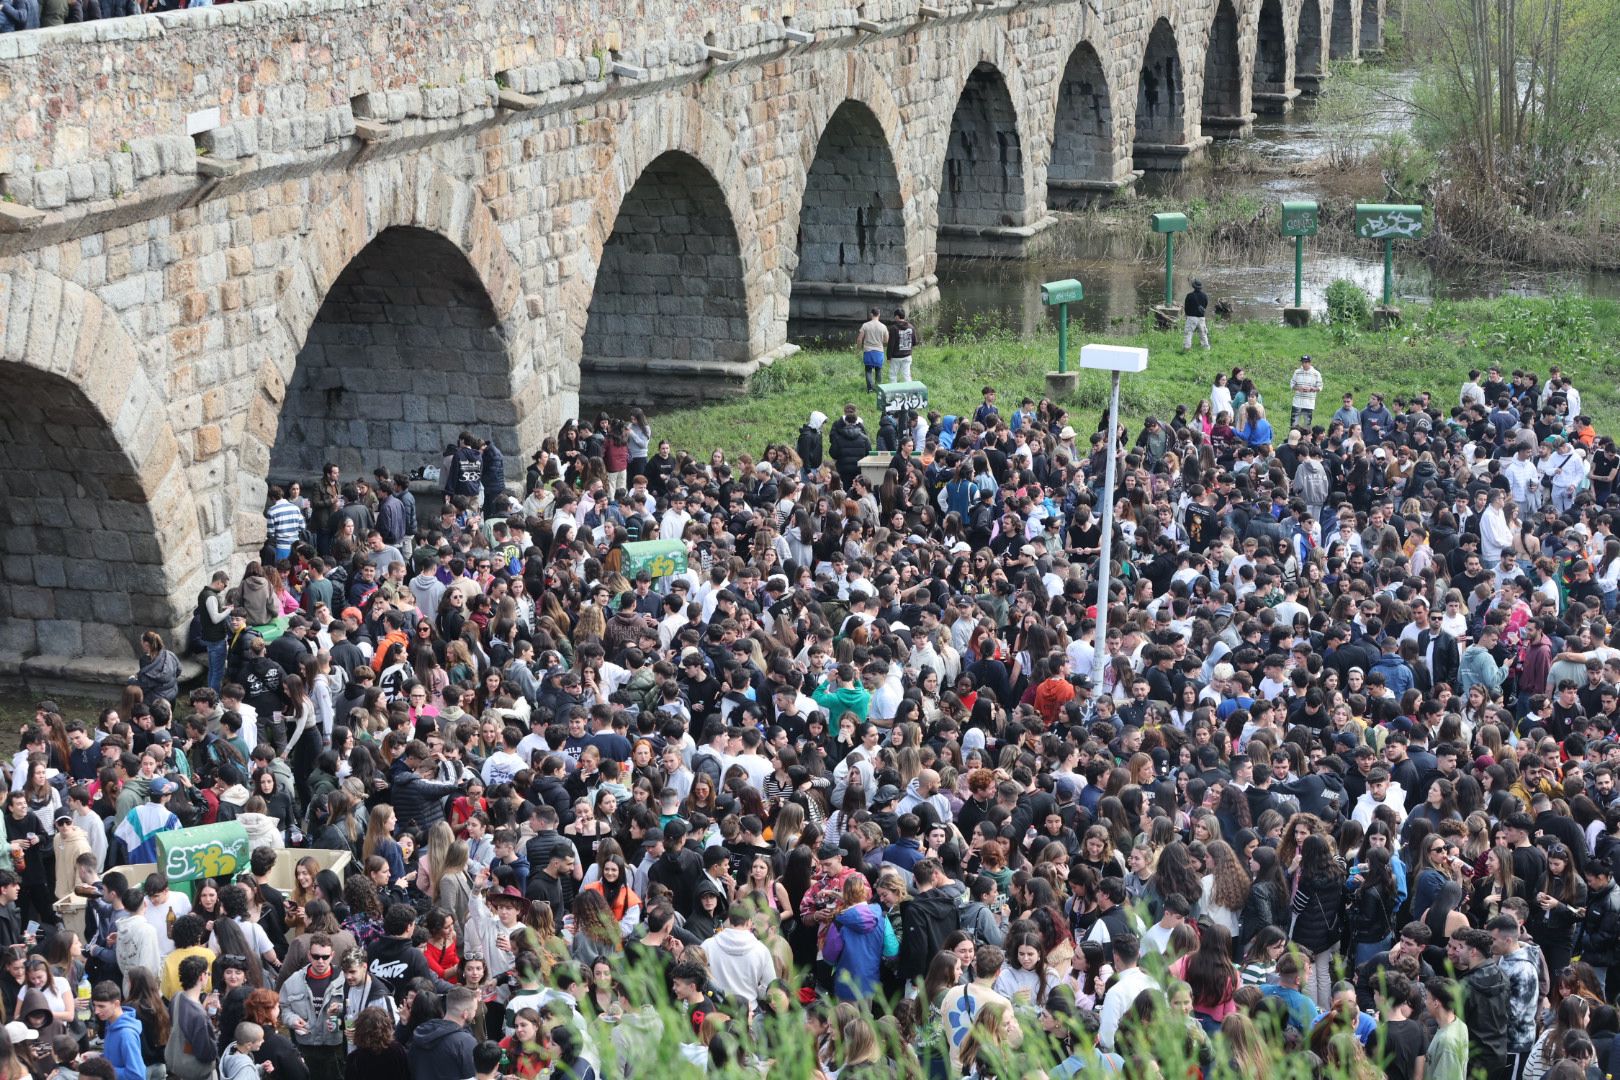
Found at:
[1194, 307]
[873, 341]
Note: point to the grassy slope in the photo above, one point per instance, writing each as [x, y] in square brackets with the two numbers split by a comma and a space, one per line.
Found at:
[1432, 352]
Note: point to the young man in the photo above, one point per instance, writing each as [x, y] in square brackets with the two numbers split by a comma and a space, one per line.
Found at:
[361, 992]
[121, 1031]
[1447, 1056]
[312, 1002]
[872, 340]
[1293, 972]
[444, 1047]
[1306, 384]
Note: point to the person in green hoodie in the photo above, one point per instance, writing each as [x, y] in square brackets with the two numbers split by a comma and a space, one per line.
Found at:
[841, 694]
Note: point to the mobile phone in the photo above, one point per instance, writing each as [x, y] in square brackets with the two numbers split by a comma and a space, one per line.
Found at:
[32, 928]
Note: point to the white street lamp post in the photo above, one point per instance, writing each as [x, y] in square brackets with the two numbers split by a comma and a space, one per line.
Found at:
[1113, 359]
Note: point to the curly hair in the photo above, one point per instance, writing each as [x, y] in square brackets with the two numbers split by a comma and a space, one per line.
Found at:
[373, 1030]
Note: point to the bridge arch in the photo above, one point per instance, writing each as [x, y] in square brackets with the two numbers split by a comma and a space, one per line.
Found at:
[1342, 31]
[852, 237]
[673, 147]
[1161, 91]
[1223, 106]
[1083, 152]
[1308, 45]
[983, 182]
[1271, 50]
[102, 538]
[400, 325]
[669, 295]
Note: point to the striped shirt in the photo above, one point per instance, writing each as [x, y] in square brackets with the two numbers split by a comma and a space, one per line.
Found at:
[285, 521]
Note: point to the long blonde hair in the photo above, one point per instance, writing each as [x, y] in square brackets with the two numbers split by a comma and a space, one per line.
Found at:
[379, 827]
[440, 839]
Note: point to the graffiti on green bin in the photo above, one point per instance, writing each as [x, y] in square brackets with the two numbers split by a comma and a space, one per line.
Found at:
[207, 851]
[1382, 222]
[660, 558]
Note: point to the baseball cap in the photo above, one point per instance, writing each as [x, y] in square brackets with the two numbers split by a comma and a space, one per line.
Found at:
[161, 786]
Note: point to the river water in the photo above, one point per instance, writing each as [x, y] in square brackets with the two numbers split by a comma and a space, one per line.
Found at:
[1123, 270]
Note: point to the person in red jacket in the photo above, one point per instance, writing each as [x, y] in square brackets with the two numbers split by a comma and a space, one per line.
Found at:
[1055, 691]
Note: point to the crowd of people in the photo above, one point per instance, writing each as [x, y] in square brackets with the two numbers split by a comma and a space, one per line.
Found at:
[858, 776]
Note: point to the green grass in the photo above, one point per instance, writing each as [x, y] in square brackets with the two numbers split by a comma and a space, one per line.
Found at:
[1432, 351]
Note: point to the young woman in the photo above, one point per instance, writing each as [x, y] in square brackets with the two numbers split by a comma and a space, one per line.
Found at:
[1372, 906]
[1213, 979]
[1025, 979]
[1497, 884]
[1317, 905]
[1225, 889]
[528, 1054]
[613, 885]
[596, 931]
[440, 947]
[1552, 919]
[762, 888]
[1261, 956]
[380, 841]
[1440, 865]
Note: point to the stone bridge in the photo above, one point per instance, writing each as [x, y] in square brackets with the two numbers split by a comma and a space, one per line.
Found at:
[238, 241]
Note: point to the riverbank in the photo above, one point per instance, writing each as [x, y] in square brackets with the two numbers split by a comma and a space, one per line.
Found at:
[1432, 351]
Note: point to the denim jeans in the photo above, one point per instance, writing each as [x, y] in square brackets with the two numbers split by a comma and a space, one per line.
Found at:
[217, 653]
[1368, 950]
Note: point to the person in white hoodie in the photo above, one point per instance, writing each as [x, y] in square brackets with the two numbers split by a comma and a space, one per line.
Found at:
[1381, 791]
[739, 963]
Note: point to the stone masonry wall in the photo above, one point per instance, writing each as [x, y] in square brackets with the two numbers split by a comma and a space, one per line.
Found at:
[984, 167]
[403, 356]
[852, 228]
[671, 278]
[1223, 66]
[169, 263]
[1083, 144]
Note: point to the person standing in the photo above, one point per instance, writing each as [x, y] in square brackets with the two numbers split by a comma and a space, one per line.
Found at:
[872, 339]
[313, 998]
[211, 615]
[443, 1047]
[121, 1038]
[902, 340]
[1306, 384]
[284, 523]
[1447, 1056]
[191, 1050]
[1194, 307]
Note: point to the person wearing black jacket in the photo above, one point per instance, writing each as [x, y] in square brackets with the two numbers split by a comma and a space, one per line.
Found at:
[418, 801]
[929, 917]
[393, 959]
[1487, 1003]
[1322, 793]
[1267, 903]
[679, 869]
[1599, 943]
[444, 1047]
[1317, 913]
[848, 443]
